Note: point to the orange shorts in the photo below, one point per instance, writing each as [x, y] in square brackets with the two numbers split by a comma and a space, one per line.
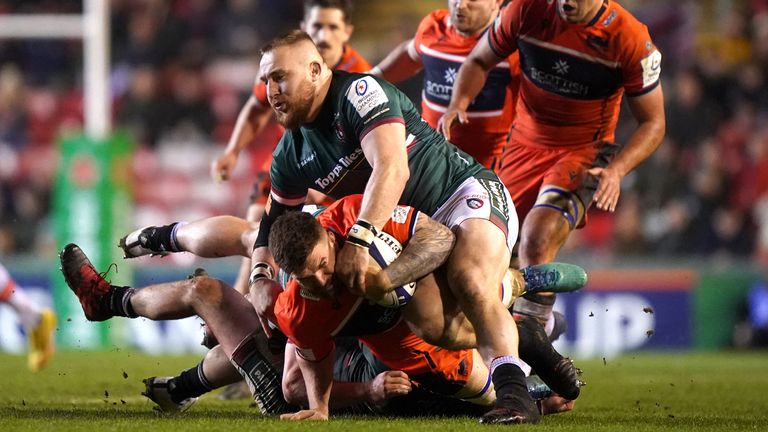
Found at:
[524, 169]
[436, 369]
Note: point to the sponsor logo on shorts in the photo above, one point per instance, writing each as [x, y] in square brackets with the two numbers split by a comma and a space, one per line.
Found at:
[475, 203]
[497, 196]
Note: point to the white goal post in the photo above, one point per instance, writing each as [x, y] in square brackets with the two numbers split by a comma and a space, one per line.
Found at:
[93, 28]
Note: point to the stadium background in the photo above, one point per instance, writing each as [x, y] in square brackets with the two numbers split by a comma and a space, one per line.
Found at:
[669, 270]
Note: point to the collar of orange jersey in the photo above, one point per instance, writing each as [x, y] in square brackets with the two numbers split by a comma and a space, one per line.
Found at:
[599, 14]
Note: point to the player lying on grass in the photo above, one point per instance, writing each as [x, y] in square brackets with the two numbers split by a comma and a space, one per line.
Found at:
[224, 236]
[314, 309]
[362, 385]
[216, 305]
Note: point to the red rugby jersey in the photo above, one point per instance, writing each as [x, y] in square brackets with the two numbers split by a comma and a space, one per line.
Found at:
[443, 50]
[310, 322]
[574, 75]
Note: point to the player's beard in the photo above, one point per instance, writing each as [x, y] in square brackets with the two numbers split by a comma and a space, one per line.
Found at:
[298, 108]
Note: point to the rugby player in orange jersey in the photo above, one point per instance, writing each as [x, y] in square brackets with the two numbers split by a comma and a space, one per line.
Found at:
[442, 42]
[328, 23]
[578, 58]
[309, 321]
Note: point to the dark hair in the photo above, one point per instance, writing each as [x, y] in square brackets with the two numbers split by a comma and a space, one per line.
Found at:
[345, 6]
[291, 38]
[291, 239]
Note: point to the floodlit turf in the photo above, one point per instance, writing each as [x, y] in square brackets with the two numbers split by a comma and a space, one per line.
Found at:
[678, 392]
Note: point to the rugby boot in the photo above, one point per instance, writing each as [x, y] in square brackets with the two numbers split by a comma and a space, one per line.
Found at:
[157, 389]
[41, 341]
[141, 243]
[89, 286]
[553, 277]
[512, 409]
[556, 371]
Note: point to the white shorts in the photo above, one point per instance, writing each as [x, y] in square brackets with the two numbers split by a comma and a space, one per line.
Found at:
[484, 198]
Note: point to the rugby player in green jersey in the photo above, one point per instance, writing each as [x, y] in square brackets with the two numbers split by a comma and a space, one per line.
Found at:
[352, 133]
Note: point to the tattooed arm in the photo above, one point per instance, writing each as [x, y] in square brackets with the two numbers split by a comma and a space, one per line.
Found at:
[427, 250]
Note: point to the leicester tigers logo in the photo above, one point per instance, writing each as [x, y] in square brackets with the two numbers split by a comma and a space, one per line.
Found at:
[475, 203]
[338, 129]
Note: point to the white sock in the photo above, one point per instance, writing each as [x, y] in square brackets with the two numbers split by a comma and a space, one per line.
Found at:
[550, 326]
[29, 312]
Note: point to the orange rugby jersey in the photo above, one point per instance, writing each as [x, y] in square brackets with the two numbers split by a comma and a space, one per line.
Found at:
[574, 75]
[442, 50]
[310, 322]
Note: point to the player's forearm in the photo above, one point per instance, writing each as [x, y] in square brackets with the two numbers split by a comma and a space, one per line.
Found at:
[648, 110]
[427, 250]
[643, 142]
[398, 65]
[250, 123]
[346, 394]
[382, 193]
[469, 81]
[318, 379]
[384, 148]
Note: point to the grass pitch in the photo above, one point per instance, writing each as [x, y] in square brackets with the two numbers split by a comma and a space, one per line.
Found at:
[643, 392]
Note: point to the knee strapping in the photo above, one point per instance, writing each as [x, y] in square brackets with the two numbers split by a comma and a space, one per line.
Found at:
[563, 201]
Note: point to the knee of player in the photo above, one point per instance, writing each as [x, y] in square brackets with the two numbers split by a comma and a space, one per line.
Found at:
[206, 289]
[534, 247]
[470, 286]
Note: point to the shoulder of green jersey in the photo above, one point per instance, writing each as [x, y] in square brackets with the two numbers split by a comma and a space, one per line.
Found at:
[651, 65]
[366, 94]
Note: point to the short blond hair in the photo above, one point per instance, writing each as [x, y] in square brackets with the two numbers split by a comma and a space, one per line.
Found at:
[291, 38]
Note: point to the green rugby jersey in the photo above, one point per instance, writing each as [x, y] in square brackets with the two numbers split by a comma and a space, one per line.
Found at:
[325, 155]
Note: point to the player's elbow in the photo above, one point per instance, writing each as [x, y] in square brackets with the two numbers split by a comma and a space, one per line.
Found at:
[293, 389]
[403, 172]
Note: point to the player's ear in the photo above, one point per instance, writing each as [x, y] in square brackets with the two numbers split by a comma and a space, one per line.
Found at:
[315, 68]
[303, 26]
[349, 30]
[331, 238]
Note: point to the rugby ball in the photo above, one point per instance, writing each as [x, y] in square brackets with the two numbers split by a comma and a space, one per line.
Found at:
[383, 251]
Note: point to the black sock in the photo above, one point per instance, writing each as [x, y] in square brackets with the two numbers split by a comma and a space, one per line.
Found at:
[161, 238]
[190, 383]
[118, 301]
[261, 376]
[508, 378]
[535, 348]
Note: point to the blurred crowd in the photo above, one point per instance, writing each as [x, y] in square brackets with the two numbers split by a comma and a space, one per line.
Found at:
[181, 69]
